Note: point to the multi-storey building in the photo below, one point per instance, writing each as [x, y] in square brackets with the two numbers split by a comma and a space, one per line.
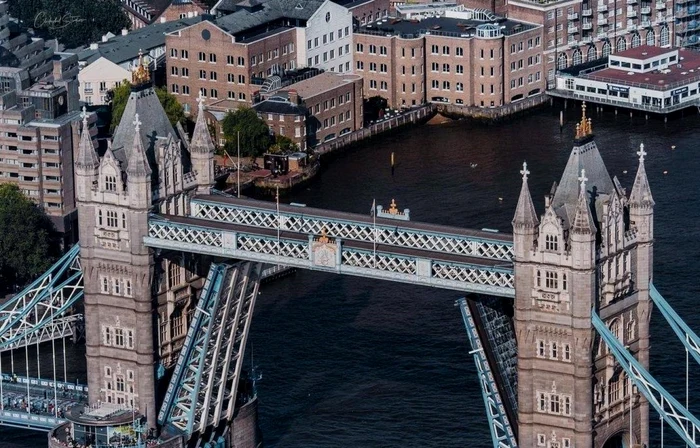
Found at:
[105, 64]
[232, 56]
[39, 113]
[284, 116]
[590, 251]
[146, 12]
[577, 31]
[466, 58]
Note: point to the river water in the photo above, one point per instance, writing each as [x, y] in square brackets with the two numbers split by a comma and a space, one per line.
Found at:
[352, 362]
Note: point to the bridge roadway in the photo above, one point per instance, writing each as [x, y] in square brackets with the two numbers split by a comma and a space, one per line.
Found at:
[416, 253]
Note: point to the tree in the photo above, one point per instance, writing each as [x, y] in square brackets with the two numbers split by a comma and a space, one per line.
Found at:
[73, 22]
[255, 135]
[283, 145]
[118, 97]
[374, 108]
[29, 243]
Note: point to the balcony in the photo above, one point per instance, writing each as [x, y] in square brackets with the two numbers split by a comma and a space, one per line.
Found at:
[646, 10]
[586, 40]
[572, 30]
[631, 13]
[632, 27]
[602, 35]
[88, 91]
[631, 2]
[602, 7]
[587, 26]
[587, 12]
[602, 21]
[660, 6]
[572, 16]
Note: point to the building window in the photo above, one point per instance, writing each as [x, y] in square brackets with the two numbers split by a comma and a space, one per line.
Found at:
[105, 285]
[551, 280]
[542, 402]
[110, 183]
[119, 337]
[613, 392]
[567, 352]
[552, 242]
[202, 56]
[174, 274]
[116, 286]
[540, 349]
[212, 57]
[629, 331]
[127, 288]
[120, 384]
[554, 403]
[541, 440]
[553, 352]
[112, 220]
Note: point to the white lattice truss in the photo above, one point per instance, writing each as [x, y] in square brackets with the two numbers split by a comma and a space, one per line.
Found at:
[60, 328]
[202, 392]
[292, 252]
[43, 303]
[685, 424]
[401, 235]
[502, 434]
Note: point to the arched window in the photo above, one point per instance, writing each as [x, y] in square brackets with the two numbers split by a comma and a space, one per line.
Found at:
[651, 38]
[663, 36]
[120, 384]
[592, 54]
[539, 278]
[636, 40]
[577, 57]
[124, 220]
[174, 274]
[615, 329]
[606, 49]
[99, 217]
[621, 44]
[562, 62]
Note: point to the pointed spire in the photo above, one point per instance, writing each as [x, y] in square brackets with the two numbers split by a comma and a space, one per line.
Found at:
[87, 157]
[201, 140]
[583, 221]
[525, 215]
[137, 163]
[641, 192]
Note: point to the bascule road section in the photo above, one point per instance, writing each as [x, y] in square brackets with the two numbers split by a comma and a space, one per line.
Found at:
[389, 248]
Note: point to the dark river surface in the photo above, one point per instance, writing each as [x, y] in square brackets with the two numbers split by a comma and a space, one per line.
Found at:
[353, 362]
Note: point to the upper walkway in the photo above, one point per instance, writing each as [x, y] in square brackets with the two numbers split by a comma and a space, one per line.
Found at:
[347, 243]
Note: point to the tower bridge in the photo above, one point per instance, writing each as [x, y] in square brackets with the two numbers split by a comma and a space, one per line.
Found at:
[168, 269]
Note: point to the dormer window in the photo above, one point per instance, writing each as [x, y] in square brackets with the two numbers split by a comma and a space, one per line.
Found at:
[551, 243]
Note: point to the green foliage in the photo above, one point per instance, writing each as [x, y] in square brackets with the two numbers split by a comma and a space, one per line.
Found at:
[255, 135]
[73, 22]
[283, 145]
[373, 106]
[118, 97]
[29, 243]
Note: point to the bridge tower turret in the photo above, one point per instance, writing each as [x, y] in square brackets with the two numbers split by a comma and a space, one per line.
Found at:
[202, 150]
[570, 392]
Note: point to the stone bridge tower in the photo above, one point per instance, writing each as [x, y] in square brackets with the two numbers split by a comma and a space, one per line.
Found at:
[591, 249]
[147, 167]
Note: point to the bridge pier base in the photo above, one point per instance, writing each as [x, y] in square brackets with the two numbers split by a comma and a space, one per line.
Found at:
[244, 431]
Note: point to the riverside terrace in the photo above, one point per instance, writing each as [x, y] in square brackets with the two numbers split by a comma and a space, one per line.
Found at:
[651, 79]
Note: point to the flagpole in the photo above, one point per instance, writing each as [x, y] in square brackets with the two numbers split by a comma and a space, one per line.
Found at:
[238, 171]
[374, 232]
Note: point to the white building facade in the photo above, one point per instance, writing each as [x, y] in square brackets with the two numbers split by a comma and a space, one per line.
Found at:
[99, 77]
[326, 41]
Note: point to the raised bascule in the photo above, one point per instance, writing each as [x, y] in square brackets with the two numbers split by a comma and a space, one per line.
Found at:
[168, 269]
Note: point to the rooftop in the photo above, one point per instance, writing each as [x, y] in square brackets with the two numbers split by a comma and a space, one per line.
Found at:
[685, 72]
[322, 83]
[644, 52]
[279, 105]
[124, 48]
[446, 26]
[268, 11]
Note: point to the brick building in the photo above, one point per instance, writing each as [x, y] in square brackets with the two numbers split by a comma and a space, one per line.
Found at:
[576, 31]
[232, 56]
[334, 103]
[142, 13]
[285, 116]
[462, 59]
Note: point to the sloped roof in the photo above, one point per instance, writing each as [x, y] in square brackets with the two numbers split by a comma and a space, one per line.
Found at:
[154, 124]
[584, 155]
[271, 10]
[277, 106]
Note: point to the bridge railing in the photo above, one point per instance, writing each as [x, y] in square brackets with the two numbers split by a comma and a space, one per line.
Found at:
[354, 227]
[334, 255]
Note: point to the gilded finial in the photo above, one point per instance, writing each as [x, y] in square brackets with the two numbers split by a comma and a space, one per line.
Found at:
[324, 236]
[392, 207]
[585, 127]
[140, 74]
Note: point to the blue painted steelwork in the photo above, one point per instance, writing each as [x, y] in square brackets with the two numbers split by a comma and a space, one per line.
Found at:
[24, 420]
[202, 392]
[355, 227]
[489, 278]
[502, 434]
[685, 424]
[43, 302]
[690, 340]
